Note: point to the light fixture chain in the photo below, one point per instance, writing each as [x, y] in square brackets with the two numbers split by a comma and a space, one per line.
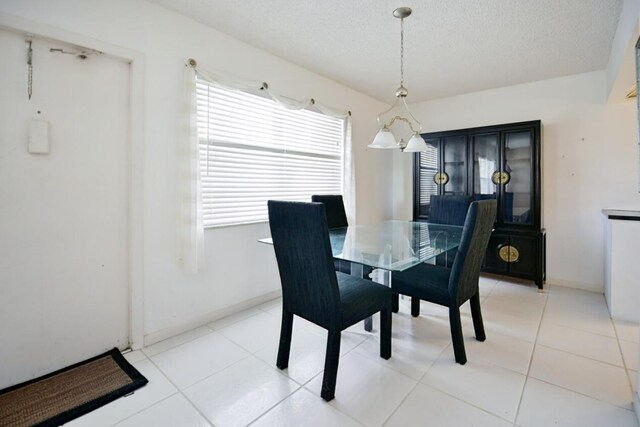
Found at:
[385, 139]
[402, 52]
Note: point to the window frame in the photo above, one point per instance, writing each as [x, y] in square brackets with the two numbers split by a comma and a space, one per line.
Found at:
[291, 158]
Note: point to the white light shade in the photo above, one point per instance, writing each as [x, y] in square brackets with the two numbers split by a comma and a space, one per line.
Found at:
[416, 144]
[384, 139]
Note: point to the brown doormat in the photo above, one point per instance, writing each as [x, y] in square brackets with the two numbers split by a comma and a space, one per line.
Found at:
[61, 396]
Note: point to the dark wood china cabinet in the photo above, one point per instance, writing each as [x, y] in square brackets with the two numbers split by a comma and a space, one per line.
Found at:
[494, 162]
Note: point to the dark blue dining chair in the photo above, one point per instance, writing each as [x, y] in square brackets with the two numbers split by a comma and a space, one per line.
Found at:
[336, 217]
[313, 290]
[443, 209]
[450, 210]
[452, 287]
[334, 207]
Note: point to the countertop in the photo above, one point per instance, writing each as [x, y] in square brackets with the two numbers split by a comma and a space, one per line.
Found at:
[627, 212]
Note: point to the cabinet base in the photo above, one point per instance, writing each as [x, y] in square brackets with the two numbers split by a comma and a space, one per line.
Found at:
[500, 275]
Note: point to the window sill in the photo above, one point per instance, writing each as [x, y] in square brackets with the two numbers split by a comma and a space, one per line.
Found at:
[236, 224]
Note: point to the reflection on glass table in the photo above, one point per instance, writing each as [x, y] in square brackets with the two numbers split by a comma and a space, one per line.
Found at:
[393, 245]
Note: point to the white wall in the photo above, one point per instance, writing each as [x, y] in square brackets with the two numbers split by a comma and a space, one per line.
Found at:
[589, 161]
[237, 268]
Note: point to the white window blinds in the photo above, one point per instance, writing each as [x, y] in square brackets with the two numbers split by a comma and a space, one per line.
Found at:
[253, 150]
[428, 169]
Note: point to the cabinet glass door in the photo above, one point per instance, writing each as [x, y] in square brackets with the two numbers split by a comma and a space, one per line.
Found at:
[517, 199]
[486, 164]
[427, 170]
[454, 162]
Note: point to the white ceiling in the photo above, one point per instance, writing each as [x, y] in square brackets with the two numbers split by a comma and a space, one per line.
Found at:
[451, 46]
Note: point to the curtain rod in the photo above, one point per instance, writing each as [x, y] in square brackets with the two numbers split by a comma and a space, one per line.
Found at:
[265, 86]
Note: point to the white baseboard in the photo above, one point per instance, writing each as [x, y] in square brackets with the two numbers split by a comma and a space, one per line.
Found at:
[163, 334]
[591, 287]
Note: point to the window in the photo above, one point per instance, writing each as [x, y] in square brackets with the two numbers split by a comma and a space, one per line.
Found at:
[252, 150]
[427, 169]
[486, 167]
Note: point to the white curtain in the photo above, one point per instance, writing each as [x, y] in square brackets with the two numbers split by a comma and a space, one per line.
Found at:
[349, 173]
[191, 230]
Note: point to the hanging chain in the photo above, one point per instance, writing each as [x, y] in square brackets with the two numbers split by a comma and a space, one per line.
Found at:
[402, 52]
[29, 70]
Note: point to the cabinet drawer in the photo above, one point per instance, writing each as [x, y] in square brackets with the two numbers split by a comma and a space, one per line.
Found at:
[526, 261]
[492, 261]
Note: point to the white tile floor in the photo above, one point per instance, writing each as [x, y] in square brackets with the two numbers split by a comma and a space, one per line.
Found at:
[552, 358]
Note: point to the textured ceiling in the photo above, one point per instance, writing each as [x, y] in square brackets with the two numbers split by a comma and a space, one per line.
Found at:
[451, 46]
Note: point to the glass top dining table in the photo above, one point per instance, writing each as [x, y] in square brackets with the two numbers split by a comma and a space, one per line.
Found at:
[392, 245]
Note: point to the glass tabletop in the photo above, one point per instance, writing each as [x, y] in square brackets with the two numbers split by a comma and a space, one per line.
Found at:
[392, 245]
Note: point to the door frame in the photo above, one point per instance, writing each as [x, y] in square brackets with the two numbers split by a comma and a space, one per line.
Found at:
[136, 143]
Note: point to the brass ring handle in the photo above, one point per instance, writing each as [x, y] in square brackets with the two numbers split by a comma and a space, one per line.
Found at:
[441, 178]
[503, 253]
[500, 177]
[509, 254]
[514, 254]
[506, 177]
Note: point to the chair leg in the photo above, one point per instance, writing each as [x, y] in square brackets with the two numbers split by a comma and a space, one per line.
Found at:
[385, 334]
[456, 335]
[395, 303]
[331, 366]
[285, 340]
[476, 314]
[415, 306]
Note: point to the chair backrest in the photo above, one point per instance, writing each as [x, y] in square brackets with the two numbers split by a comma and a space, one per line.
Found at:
[450, 210]
[465, 273]
[305, 262]
[334, 206]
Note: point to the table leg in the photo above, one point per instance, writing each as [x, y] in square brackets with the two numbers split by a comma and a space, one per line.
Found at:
[382, 277]
[358, 271]
[368, 324]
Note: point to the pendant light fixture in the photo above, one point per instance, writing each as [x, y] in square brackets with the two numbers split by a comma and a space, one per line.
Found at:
[384, 138]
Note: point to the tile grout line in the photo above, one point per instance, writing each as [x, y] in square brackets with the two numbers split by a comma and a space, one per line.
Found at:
[302, 386]
[581, 356]
[145, 408]
[581, 330]
[533, 352]
[573, 354]
[466, 403]
[178, 391]
[419, 381]
[265, 412]
[206, 325]
[624, 363]
[583, 395]
[490, 363]
[250, 355]
[586, 357]
[184, 395]
[177, 345]
[386, 420]
[445, 392]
